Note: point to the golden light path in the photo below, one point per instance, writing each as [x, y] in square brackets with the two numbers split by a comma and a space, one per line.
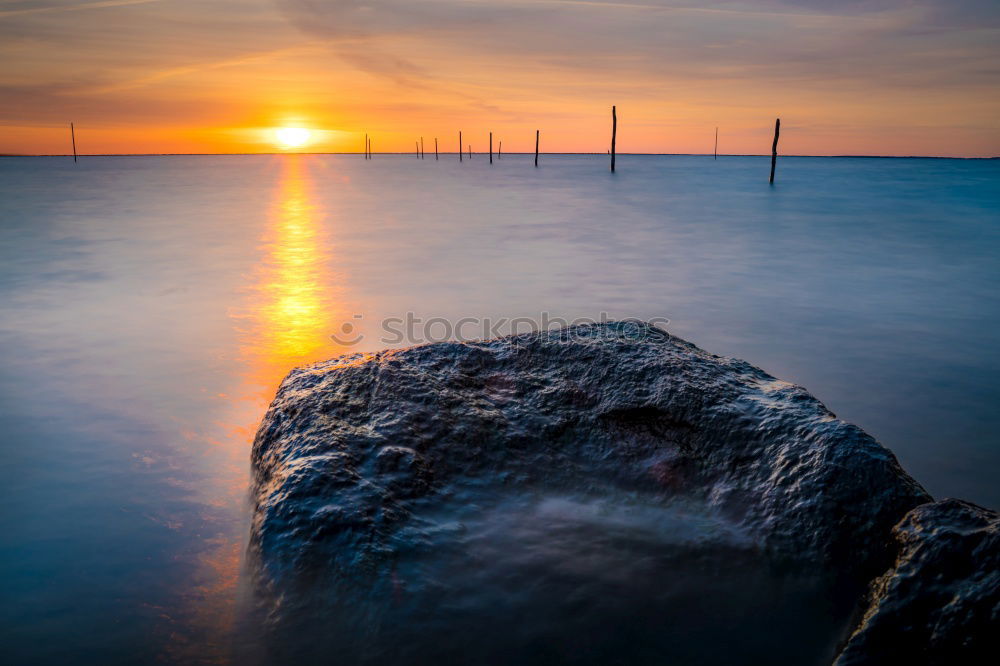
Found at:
[296, 306]
[292, 307]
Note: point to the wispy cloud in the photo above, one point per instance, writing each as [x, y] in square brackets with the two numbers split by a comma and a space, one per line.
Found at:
[4, 13]
[246, 59]
[768, 38]
[725, 11]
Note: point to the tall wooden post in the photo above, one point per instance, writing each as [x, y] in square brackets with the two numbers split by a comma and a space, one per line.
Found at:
[470, 151]
[491, 147]
[715, 153]
[421, 147]
[614, 135]
[500, 149]
[435, 148]
[72, 136]
[774, 148]
[460, 146]
[536, 147]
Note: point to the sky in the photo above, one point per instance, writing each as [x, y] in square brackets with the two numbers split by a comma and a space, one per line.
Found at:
[860, 77]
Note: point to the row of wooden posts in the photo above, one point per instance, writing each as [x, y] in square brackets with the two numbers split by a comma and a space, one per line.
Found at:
[419, 145]
[614, 136]
[419, 148]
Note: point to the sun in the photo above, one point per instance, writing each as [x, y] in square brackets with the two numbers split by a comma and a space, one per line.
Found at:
[292, 137]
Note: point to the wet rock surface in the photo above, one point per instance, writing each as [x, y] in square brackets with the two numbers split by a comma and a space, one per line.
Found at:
[599, 494]
[940, 601]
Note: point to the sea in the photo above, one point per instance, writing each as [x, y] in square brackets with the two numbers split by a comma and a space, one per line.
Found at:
[150, 305]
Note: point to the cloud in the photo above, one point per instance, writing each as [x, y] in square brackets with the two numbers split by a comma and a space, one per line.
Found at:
[812, 41]
[172, 72]
[71, 8]
[48, 104]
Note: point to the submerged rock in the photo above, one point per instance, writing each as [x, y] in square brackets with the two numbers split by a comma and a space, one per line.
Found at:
[940, 601]
[598, 494]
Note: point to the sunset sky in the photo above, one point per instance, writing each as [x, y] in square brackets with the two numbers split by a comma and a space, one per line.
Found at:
[876, 77]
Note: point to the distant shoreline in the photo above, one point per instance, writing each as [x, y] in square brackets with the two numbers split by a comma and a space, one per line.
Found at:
[411, 154]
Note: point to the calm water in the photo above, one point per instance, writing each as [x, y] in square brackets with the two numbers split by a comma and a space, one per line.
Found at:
[150, 305]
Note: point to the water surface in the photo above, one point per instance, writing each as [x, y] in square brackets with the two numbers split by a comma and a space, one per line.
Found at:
[150, 305]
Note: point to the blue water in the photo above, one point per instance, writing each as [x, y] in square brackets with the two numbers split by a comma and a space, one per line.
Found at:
[150, 305]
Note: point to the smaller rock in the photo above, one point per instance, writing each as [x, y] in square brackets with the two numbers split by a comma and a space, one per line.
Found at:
[940, 602]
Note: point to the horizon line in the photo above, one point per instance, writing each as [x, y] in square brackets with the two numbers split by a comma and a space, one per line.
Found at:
[412, 154]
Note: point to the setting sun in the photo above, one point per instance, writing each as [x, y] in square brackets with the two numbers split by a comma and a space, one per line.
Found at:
[292, 137]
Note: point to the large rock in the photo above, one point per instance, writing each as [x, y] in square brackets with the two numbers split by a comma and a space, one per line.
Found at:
[940, 601]
[602, 493]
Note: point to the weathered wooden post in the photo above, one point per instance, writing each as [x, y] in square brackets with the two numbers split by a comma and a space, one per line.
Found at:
[614, 135]
[459, 145]
[470, 151]
[72, 136]
[421, 147]
[435, 148]
[500, 149]
[715, 153]
[491, 147]
[774, 148]
[536, 147]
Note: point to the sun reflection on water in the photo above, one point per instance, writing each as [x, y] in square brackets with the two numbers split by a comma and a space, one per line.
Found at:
[295, 302]
[291, 306]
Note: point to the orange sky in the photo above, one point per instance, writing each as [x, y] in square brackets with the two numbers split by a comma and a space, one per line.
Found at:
[878, 77]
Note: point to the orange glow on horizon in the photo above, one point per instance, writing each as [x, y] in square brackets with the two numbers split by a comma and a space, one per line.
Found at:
[586, 134]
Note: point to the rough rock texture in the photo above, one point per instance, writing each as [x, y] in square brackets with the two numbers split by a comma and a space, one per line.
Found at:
[940, 602]
[371, 471]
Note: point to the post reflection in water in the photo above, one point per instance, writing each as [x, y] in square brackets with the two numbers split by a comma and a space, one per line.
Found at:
[285, 320]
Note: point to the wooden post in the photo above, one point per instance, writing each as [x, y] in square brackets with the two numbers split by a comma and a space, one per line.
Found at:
[715, 154]
[421, 147]
[459, 145]
[614, 135]
[774, 148]
[72, 136]
[470, 151]
[500, 149]
[491, 147]
[435, 148]
[536, 147]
